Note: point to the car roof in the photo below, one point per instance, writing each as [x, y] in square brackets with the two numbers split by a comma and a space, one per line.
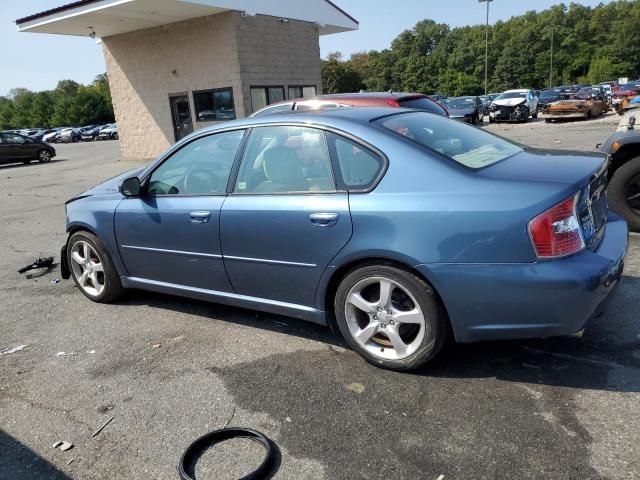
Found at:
[323, 117]
[517, 90]
[365, 95]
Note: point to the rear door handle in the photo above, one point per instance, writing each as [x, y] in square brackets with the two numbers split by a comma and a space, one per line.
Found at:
[200, 217]
[324, 219]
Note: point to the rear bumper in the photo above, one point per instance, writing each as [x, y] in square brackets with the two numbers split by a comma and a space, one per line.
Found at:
[543, 299]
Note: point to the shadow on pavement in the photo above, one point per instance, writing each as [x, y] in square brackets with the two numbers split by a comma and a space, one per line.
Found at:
[18, 462]
[33, 163]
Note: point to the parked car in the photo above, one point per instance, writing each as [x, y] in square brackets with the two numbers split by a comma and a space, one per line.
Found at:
[69, 135]
[53, 135]
[386, 224]
[91, 134]
[624, 174]
[20, 148]
[110, 132]
[362, 99]
[574, 105]
[547, 97]
[468, 109]
[514, 106]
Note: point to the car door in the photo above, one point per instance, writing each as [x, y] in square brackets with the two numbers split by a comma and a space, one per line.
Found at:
[171, 232]
[285, 219]
[15, 149]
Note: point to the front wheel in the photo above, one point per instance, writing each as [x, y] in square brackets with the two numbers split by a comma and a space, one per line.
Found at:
[115, 136]
[535, 114]
[92, 269]
[624, 193]
[390, 317]
[44, 156]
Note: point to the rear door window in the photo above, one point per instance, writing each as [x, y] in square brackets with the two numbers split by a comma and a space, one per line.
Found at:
[285, 159]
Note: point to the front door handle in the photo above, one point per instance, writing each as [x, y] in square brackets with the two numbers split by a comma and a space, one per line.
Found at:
[200, 217]
[324, 219]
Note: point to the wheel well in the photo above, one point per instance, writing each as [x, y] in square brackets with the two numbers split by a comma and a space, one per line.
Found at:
[627, 152]
[342, 272]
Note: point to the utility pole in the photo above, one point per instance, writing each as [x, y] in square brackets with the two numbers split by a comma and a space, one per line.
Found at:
[551, 67]
[486, 49]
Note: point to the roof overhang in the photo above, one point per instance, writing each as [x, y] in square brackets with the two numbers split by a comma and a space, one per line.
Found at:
[113, 17]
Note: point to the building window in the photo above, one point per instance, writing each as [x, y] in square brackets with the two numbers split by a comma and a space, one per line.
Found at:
[214, 105]
[302, 92]
[263, 96]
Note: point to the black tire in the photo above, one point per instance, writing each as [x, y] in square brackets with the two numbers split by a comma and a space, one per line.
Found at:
[75, 139]
[44, 156]
[113, 288]
[115, 136]
[535, 114]
[618, 189]
[436, 324]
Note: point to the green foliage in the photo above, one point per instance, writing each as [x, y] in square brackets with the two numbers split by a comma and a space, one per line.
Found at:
[589, 45]
[69, 104]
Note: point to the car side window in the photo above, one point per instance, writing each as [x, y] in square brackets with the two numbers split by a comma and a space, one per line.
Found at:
[13, 139]
[285, 159]
[358, 168]
[201, 167]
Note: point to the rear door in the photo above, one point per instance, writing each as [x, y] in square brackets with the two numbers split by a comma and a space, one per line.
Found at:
[171, 233]
[285, 219]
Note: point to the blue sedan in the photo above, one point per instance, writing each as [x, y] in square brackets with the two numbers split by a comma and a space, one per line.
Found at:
[396, 228]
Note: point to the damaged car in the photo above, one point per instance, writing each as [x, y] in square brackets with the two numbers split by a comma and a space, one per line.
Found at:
[574, 106]
[395, 227]
[514, 106]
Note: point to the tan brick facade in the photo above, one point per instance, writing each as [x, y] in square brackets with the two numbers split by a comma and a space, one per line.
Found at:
[147, 66]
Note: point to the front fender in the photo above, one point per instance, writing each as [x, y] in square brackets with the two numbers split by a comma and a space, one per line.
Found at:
[96, 215]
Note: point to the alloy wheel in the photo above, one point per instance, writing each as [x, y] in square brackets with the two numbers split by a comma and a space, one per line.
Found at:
[44, 156]
[87, 268]
[384, 318]
[632, 194]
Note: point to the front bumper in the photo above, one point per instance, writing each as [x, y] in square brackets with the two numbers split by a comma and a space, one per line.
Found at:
[532, 300]
[506, 114]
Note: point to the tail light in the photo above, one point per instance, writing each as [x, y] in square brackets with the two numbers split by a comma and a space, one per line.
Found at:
[557, 232]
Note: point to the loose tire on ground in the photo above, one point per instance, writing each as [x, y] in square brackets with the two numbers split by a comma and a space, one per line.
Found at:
[621, 187]
[420, 322]
[106, 276]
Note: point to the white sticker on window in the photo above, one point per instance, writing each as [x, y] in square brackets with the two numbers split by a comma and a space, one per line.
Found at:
[242, 185]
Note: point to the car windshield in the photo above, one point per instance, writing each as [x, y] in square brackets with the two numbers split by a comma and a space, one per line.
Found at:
[465, 144]
[549, 94]
[462, 102]
[506, 95]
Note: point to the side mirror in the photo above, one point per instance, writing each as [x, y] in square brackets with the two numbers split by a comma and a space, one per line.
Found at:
[130, 187]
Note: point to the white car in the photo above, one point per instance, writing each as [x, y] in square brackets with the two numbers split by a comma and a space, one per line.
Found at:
[109, 132]
[514, 106]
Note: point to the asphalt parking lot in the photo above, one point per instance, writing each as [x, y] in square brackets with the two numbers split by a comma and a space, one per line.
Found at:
[169, 369]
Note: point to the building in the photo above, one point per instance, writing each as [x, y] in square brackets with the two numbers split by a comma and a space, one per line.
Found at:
[179, 65]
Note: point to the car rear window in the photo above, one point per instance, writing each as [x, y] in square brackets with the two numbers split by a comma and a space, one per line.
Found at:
[423, 103]
[467, 145]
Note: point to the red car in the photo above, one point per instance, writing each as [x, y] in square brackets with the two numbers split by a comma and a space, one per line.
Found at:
[365, 99]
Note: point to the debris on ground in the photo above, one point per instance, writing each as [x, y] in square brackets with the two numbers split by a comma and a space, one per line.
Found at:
[46, 262]
[156, 345]
[55, 281]
[63, 445]
[70, 462]
[288, 419]
[8, 351]
[102, 427]
[65, 354]
[356, 387]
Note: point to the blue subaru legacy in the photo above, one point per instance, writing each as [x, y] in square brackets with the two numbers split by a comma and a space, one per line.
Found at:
[397, 228]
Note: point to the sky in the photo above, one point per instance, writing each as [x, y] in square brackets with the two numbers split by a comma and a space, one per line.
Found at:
[37, 61]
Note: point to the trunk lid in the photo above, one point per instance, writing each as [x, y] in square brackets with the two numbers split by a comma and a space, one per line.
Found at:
[575, 172]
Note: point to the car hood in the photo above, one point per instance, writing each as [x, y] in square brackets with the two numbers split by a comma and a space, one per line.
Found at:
[460, 112]
[110, 186]
[547, 166]
[509, 102]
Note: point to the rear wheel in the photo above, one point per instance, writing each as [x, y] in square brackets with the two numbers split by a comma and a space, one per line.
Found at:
[115, 136]
[624, 193]
[390, 317]
[92, 269]
[44, 156]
